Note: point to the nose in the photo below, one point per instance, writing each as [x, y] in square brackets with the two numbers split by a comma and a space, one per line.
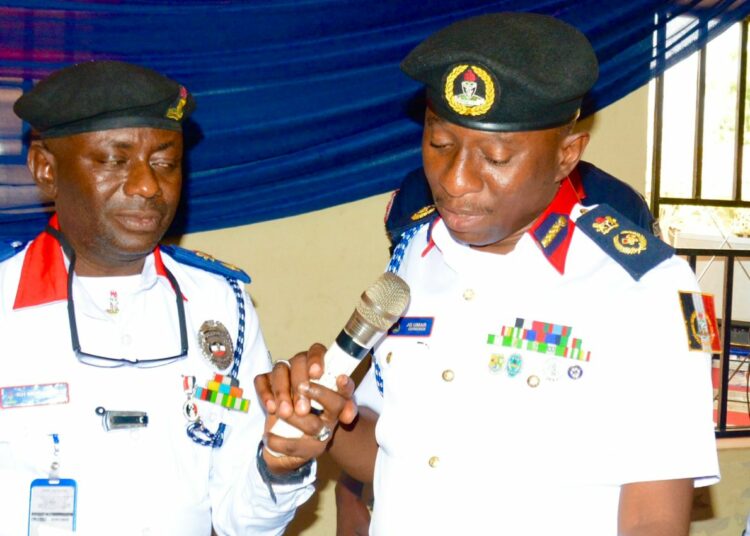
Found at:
[142, 180]
[459, 177]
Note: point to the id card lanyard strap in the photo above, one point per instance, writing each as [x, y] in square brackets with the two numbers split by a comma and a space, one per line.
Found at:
[52, 501]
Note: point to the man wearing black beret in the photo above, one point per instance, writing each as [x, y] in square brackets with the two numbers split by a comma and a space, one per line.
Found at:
[126, 397]
[551, 374]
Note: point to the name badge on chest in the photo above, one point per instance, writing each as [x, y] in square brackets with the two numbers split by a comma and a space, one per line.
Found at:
[412, 326]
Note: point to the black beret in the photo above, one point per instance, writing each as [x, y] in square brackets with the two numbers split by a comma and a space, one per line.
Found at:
[102, 95]
[505, 71]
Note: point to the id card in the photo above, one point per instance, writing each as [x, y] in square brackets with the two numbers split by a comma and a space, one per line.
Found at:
[52, 504]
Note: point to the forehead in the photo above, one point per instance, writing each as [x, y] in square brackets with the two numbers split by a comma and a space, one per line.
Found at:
[151, 139]
[532, 137]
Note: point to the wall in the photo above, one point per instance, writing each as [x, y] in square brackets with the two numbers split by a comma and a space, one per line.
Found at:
[308, 271]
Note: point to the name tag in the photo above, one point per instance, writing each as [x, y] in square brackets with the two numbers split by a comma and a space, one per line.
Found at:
[44, 394]
[412, 326]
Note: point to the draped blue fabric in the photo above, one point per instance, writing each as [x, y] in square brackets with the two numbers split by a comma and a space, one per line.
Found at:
[301, 104]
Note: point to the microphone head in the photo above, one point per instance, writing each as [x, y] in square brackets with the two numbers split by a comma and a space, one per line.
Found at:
[384, 301]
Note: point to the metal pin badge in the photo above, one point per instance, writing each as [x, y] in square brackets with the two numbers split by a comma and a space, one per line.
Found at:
[216, 344]
[118, 420]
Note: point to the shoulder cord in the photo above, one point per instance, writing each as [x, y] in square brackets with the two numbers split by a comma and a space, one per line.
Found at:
[197, 431]
[393, 266]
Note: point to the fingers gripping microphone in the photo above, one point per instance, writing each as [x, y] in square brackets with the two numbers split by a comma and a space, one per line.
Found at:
[379, 307]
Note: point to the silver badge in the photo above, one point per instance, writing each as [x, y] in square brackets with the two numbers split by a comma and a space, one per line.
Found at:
[216, 344]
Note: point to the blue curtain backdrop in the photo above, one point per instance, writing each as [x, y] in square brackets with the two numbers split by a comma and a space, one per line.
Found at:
[301, 104]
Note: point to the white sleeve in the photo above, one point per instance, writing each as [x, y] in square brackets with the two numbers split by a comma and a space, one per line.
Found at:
[241, 501]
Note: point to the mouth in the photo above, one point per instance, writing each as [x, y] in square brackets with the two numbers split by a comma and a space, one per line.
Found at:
[140, 221]
[460, 220]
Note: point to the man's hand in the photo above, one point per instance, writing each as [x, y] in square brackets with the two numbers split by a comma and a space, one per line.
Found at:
[285, 393]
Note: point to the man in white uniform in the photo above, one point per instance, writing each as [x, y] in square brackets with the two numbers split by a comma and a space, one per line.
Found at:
[126, 398]
[551, 374]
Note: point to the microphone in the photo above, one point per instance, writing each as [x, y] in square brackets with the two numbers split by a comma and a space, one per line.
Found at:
[379, 307]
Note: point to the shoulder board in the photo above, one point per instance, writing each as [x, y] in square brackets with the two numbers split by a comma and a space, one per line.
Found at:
[631, 246]
[204, 261]
[10, 249]
[410, 207]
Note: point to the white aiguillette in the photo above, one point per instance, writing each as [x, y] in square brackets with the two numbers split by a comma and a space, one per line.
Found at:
[379, 307]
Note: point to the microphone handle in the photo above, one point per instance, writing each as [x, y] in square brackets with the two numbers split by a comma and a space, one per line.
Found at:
[337, 362]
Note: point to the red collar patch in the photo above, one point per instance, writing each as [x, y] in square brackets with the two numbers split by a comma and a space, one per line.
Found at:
[553, 230]
[44, 278]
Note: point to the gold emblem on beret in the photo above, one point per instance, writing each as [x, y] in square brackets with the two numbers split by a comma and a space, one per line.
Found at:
[630, 242]
[175, 112]
[216, 344]
[423, 212]
[469, 90]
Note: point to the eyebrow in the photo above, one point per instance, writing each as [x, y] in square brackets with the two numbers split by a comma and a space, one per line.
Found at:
[121, 144]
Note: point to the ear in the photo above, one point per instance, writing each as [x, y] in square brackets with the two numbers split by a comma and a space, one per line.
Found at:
[571, 151]
[42, 164]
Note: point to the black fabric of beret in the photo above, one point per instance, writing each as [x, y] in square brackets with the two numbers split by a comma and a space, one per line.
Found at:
[103, 95]
[505, 71]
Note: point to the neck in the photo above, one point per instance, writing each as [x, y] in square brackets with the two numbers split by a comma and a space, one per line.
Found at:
[88, 268]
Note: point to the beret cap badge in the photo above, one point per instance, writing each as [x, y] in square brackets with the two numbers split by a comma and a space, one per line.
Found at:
[469, 90]
[175, 112]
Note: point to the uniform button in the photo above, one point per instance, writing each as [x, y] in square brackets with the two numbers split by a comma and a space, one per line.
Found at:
[469, 294]
[388, 357]
[126, 339]
[434, 462]
[448, 375]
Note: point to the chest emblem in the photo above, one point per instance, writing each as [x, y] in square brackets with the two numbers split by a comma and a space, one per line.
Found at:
[216, 344]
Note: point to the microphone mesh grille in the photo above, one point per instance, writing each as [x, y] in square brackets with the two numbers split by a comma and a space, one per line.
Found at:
[384, 301]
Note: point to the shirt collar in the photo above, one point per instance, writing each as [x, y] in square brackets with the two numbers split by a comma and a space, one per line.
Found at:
[44, 274]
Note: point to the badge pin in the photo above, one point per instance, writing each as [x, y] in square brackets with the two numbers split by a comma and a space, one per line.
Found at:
[575, 372]
[114, 303]
[552, 370]
[533, 381]
[514, 365]
[216, 344]
[497, 361]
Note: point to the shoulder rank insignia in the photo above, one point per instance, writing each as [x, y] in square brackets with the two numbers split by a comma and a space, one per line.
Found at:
[198, 259]
[410, 207]
[633, 248]
[10, 249]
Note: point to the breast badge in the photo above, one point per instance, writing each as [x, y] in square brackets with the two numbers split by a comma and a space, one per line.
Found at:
[216, 344]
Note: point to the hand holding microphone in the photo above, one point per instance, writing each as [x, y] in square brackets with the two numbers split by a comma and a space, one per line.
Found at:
[380, 306]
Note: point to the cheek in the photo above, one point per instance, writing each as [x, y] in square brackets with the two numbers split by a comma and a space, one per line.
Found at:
[171, 190]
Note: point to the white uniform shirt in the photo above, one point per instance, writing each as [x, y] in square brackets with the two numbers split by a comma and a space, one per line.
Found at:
[480, 438]
[153, 480]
